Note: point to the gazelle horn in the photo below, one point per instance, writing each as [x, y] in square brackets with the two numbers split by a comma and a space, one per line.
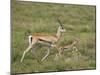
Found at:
[59, 22]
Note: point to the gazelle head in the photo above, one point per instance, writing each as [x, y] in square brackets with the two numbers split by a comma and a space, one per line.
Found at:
[61, 28]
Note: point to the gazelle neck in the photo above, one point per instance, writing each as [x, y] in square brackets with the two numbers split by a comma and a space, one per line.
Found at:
[58, 33]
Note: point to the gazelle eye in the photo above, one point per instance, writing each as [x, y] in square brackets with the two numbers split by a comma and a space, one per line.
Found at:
[62, 28]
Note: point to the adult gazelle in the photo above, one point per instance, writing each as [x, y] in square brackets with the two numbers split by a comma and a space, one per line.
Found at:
[44, 38]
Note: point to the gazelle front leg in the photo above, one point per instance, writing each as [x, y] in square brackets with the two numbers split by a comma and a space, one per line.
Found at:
[29, 47]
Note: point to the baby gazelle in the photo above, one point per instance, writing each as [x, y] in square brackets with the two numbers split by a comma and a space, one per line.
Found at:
[68, 47]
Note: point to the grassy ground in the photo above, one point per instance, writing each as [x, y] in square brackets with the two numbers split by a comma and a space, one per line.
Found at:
[29, 18]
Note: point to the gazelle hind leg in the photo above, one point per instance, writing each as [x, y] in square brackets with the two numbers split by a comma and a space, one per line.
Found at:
[76, 52]
[75, 48]
[25, 52]
[48, 52]
[29, 47]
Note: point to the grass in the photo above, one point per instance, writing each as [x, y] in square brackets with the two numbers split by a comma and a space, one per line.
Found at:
[29, 18]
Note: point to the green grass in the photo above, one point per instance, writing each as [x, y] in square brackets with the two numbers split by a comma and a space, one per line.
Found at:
[29, 18]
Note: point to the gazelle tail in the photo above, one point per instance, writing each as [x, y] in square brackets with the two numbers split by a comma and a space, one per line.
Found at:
[30, 39]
